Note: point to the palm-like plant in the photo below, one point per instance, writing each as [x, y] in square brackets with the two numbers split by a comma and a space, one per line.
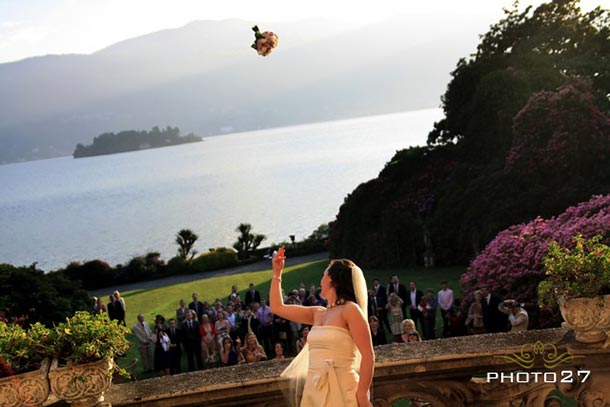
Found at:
[246, 241]
[185, 239]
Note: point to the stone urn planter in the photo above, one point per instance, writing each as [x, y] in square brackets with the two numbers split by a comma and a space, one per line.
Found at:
[81, 385]
[588, 317]
[27, 389]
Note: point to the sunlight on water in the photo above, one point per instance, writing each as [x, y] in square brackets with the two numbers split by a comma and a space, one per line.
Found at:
[283, 181]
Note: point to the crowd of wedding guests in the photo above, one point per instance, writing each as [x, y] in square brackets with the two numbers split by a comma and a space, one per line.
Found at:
[407, 312]
[236, 330]
[222, 333]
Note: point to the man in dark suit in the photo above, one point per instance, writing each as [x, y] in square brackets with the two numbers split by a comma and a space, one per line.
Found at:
[181, 314]
[252, 295]
[175, 347]
[192, 342]
[493, 319]
[401, 291]
[372, 310]
[196, 306]
[413, 300]
[111, 309]
[120, 308]
[381, 300]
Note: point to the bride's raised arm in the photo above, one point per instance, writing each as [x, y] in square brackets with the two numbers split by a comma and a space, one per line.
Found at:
[296, 313]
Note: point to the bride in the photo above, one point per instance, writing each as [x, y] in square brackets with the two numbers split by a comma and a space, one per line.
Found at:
[338, 360]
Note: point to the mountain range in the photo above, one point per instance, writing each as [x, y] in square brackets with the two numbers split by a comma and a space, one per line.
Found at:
[204, 78]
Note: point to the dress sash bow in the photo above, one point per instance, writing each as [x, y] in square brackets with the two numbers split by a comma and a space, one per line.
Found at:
[326, 379]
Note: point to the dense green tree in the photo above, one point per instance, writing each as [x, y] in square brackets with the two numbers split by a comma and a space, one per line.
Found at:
[526, 52]
[46, 298]
[562, 129]
[321, 232]
[92, 274]
[524, 135]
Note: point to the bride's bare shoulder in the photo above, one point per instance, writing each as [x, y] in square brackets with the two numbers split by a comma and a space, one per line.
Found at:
[351, 306]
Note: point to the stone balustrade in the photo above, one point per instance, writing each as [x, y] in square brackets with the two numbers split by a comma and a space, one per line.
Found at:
[446, 372]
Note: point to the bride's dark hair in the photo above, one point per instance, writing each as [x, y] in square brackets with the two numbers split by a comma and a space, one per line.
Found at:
[340, 272]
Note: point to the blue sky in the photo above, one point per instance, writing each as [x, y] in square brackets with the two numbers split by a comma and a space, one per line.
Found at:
[39, 27]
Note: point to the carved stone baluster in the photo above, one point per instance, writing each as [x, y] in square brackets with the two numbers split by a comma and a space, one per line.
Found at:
[595, 392]
[536, 397]
[499, 394]
[440, 393]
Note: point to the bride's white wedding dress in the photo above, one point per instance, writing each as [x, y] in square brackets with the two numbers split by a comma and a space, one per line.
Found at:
[332, 377]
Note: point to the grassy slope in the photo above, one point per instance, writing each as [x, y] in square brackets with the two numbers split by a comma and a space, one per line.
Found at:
[164, 300]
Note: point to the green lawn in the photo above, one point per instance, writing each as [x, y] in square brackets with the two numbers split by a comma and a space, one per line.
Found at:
[164, 300]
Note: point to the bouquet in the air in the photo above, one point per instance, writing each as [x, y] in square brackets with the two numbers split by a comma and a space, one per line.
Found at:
[264, 42]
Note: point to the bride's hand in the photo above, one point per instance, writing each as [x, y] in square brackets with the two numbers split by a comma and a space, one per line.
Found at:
[278, 262]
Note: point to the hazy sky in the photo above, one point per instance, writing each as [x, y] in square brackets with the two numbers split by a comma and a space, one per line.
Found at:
[39, 27]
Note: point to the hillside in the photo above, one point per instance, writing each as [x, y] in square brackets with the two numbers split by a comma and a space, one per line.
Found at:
[205, 79]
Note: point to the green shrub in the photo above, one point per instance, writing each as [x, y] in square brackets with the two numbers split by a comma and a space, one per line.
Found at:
[141, 268]
[20, 350]
[86, 338]
[578, 272]
[215, 259]
[178, 265]
[82, 338]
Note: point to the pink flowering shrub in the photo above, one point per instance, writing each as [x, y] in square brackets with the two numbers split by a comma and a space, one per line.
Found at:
[513, 260]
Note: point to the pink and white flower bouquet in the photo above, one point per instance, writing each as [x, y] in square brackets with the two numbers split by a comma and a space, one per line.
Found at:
[264, 42]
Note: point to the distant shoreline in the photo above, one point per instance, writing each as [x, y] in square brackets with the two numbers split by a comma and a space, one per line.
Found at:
[239, 132]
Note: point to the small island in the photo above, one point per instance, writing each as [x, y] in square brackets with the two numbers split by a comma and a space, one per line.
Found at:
[133, 140]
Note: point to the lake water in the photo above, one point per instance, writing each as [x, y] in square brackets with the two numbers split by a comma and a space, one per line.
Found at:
[283, 181]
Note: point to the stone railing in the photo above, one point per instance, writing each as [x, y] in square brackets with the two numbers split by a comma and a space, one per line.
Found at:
[454, 372]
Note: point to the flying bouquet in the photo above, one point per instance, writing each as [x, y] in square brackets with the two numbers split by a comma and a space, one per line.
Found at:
[264, 42]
